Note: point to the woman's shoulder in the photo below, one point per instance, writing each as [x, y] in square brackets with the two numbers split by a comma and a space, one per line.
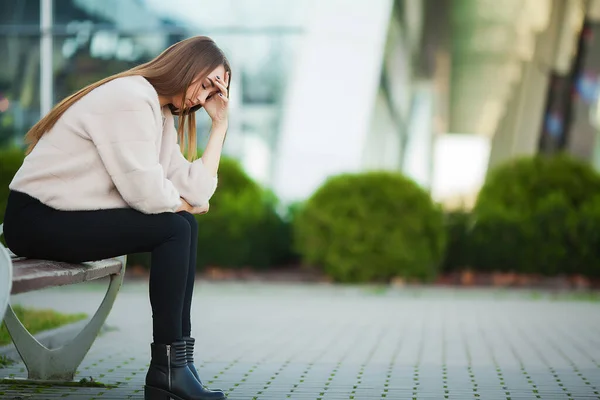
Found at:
[129, 93]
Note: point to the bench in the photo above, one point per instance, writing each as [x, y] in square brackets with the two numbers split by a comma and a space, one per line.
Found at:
[20, 275]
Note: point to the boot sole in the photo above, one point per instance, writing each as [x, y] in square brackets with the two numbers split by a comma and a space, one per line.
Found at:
[152, 393]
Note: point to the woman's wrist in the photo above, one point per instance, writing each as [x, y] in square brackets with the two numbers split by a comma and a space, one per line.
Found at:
[212, 153]
[219, 127]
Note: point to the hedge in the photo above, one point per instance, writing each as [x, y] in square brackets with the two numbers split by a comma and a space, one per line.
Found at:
[10, 162]
[538, 215]
[371, 227]
[242, 228]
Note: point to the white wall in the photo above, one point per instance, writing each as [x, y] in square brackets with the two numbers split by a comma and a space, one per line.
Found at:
[331, 94]
[382, 149]
[418, 162]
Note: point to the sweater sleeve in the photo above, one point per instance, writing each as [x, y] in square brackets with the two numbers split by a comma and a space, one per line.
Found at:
[193, 181]
[127, 144]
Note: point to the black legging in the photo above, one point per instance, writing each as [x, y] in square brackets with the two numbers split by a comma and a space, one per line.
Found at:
[34, 230]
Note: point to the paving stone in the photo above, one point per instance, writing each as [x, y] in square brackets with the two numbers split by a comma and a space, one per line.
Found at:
[278, 341]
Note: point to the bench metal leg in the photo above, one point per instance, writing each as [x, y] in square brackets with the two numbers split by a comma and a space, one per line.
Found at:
[5, 277]
[61, 364]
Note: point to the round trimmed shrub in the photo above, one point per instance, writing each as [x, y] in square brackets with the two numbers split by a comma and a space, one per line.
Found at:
[242, 227]
[10, 162]
[371, 227]
[457, 255]
[538, 215]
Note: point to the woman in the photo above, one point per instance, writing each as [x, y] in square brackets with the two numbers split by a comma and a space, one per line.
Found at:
[104, 176]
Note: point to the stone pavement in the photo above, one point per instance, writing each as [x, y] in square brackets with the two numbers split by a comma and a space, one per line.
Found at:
[277, 341]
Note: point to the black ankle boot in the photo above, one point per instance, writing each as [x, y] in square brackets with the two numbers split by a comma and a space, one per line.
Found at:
[170, 378]
[189, 345]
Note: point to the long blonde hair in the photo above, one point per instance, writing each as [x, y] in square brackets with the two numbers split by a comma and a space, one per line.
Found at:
[171, 73]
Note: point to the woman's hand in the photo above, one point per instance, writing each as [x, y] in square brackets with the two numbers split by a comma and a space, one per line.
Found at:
[201, 210]
[217, 107]
[185, 206]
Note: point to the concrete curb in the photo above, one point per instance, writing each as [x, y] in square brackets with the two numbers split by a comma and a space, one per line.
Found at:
[53, 338]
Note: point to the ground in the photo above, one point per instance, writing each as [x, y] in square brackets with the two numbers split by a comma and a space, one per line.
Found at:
[318, 341]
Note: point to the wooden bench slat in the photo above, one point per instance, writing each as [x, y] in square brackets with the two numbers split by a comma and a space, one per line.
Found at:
[30, 274]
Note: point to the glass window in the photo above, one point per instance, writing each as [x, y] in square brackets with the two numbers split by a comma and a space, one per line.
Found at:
[86, 58]
[93, 39]
[19, 67]
[17, 15]
[19, 85]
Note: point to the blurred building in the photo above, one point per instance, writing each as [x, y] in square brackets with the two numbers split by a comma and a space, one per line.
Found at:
[440, 90]
[51, 48]
[370, 91]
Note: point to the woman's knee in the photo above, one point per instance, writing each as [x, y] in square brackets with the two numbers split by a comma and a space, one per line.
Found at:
[191, 221]
[176, 225]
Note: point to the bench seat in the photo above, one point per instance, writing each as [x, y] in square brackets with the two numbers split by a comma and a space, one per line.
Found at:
[31, 274]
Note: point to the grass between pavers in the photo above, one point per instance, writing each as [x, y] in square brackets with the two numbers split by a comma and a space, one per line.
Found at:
[5, 361]
[15, 384]
[39, 320]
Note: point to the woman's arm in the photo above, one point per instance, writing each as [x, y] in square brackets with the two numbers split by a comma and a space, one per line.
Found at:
[217, 108]
[195, 181]
[212, 154]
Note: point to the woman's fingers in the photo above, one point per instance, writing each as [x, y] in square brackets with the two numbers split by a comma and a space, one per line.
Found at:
[219, 84]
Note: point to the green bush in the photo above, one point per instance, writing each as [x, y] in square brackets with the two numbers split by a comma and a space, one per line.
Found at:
[371, 227]
[242, 227]
[538, 215]
[457, 256]
[587, 260]
[10, 161]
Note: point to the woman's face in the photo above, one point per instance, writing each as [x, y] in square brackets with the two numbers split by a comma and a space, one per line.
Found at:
[200, 91]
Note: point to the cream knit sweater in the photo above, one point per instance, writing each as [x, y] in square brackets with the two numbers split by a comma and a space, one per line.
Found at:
[115, 148]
